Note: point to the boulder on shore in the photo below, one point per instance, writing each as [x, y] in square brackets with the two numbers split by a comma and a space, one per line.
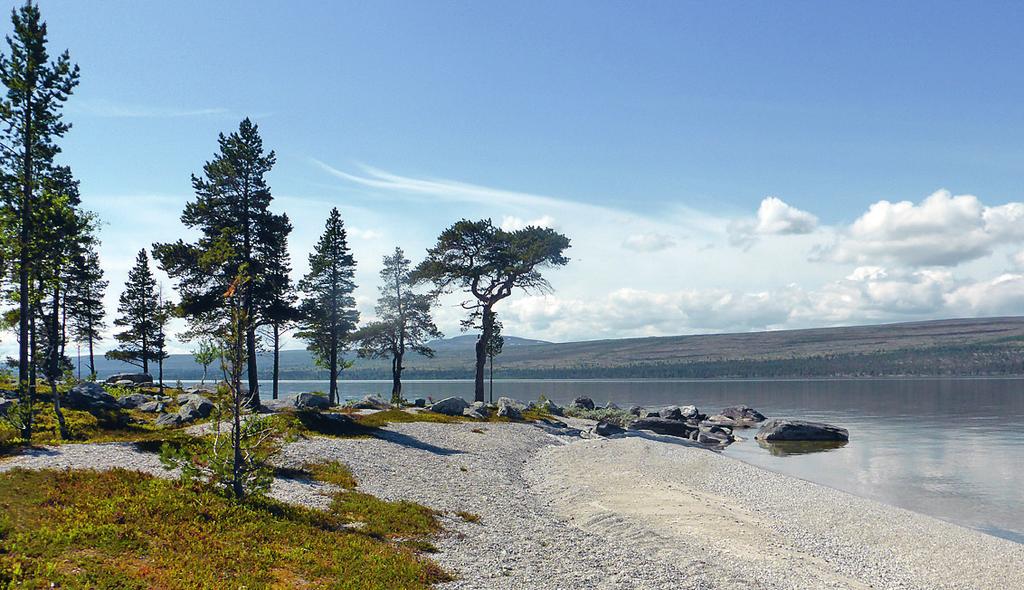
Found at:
[608, 429]
[551, 407]
[510, 408]
[89, 396]
[691, 413]
[582, 403]
[154, 407]
[134, 400]
[662, 426]
[311, 401]
[800, 430]
[419, 403]
[671, 413]
[478, 410]
[371, 402]
[450, 406]
[135, 378]
[168, 420]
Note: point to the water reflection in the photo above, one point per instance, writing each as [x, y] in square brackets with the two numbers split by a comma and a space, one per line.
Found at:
[787, 448]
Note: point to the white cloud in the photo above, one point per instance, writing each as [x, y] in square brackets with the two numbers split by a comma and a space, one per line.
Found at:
[112, 109]
[649, 242]
[513, 223]
[365, 234]
[941, 230]
[774, 217]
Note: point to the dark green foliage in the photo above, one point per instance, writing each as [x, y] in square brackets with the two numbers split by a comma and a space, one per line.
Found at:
[403, 322]
[127, 530]
[239, 235]
[139, 305]
[490, 263]
[328, 306]
[86, 311]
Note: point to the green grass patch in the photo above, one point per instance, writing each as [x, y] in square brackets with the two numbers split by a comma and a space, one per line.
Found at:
[385, 417]
[294, 424]
[468, 516]
[123, 529]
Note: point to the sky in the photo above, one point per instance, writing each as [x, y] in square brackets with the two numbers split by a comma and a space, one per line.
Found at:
[718, 166]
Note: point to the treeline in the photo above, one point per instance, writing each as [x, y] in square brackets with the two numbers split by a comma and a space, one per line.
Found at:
[232, 286]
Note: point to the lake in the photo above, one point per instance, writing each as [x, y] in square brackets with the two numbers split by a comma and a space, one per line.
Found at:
[950, 448]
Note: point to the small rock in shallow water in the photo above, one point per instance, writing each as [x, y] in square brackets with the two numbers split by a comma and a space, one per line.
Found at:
[801, 430]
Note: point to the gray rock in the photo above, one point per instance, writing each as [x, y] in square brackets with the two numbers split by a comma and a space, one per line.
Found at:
[196, 407]
[551, 407]
[582, 403]
[478, 410]
[635, 410]
[168, 420]
[719, 420]
[89, 396]
[279, 405]
[742, 414]
[607, 429]
[450, 406]
[153, 407]
[124, 383]
[611, 406]
[671, 413]
[311, 401]
[510, 408]
[712, 427]
[5, 405]
[134, 400]
[645, 413]
[714, 438]
[800, 430]
[662, 426]
[419, 403]
[371, 402]
[135, 378]
[690, 413]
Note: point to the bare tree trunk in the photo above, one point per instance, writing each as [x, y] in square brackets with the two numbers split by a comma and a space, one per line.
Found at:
[54, 368]
[481, 353]
[396, 377]
[277, 360]
[491, 377]
[253, 400]
[27, 391]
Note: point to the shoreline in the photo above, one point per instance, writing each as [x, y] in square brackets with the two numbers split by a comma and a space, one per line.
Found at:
[630, 512]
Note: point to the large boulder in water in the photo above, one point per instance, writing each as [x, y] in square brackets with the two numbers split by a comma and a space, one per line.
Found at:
[89, 396]
[450, 406]
[742, 414]
[800, 430]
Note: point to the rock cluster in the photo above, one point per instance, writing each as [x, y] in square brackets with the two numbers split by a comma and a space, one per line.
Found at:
[690, 423]
[192, 407]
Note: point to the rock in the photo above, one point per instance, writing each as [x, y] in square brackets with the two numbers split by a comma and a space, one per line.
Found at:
[509, 408]
[606, 429]
[690, 413]
[719, 420]
[712, 427]
[419, 403]
[635, 410]
[169, 420]
[134, 400]
[611, 406]
[196, 407]
[800, 430]
[135, 378]
[373, 402]
[551, 408]
[279, 405]
[124, 383]
[582, 403]
[153, 407]
[714, 438]
[478, 410]
[89, 396]
[5, 405]
[742, 414]
[662, 426]
[551, 422]
[645, 413]
[311, 401]
[671, 413]
[450, 406]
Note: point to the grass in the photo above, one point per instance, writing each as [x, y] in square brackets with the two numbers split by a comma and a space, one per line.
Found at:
[123, 529]
[468, 516]
[385, 417]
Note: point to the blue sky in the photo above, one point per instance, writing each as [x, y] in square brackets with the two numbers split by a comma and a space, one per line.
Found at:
[652, 133]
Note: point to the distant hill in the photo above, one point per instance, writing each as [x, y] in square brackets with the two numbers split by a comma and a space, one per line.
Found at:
[986, 346]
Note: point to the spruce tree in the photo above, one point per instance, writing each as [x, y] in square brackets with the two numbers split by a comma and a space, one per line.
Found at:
[30, 114]
[328, 307]
[138, 308]
[278, 311]
[403, 323]
[231, 212]
[86, 311]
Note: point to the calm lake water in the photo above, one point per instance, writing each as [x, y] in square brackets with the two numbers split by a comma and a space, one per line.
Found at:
[950, 448]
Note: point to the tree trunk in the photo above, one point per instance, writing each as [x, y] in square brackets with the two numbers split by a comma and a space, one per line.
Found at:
[53, 372]
[277, 359]
[333, 389]
[24, 319]
[396, 377]
[160, 369]
[253, 400]
[491, 376]
[145, 352]
[481, 353]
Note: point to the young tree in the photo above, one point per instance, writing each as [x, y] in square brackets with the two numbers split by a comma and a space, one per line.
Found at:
[31, 116]
[231, 212]
[403, 322]
[494, 345]
[328, 307]
[161, 316]
[490, 263]
[85, 302]
[207, 353]
[138, 308]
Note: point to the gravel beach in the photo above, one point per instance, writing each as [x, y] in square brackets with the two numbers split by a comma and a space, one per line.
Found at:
[634, 512]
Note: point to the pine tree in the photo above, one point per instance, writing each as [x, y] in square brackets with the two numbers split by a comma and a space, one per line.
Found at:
[278, 310]
[231, 212]
[328, 308]
[85, 302]
[138, 307]
[403, 322]
[31, 115]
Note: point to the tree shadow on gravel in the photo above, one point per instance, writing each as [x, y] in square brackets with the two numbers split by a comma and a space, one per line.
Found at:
[414, 443]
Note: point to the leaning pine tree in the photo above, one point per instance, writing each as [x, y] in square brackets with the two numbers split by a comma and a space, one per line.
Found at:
[139, 304]
[403, 323]
[30, 117]
[490, 263]
[328, 308]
